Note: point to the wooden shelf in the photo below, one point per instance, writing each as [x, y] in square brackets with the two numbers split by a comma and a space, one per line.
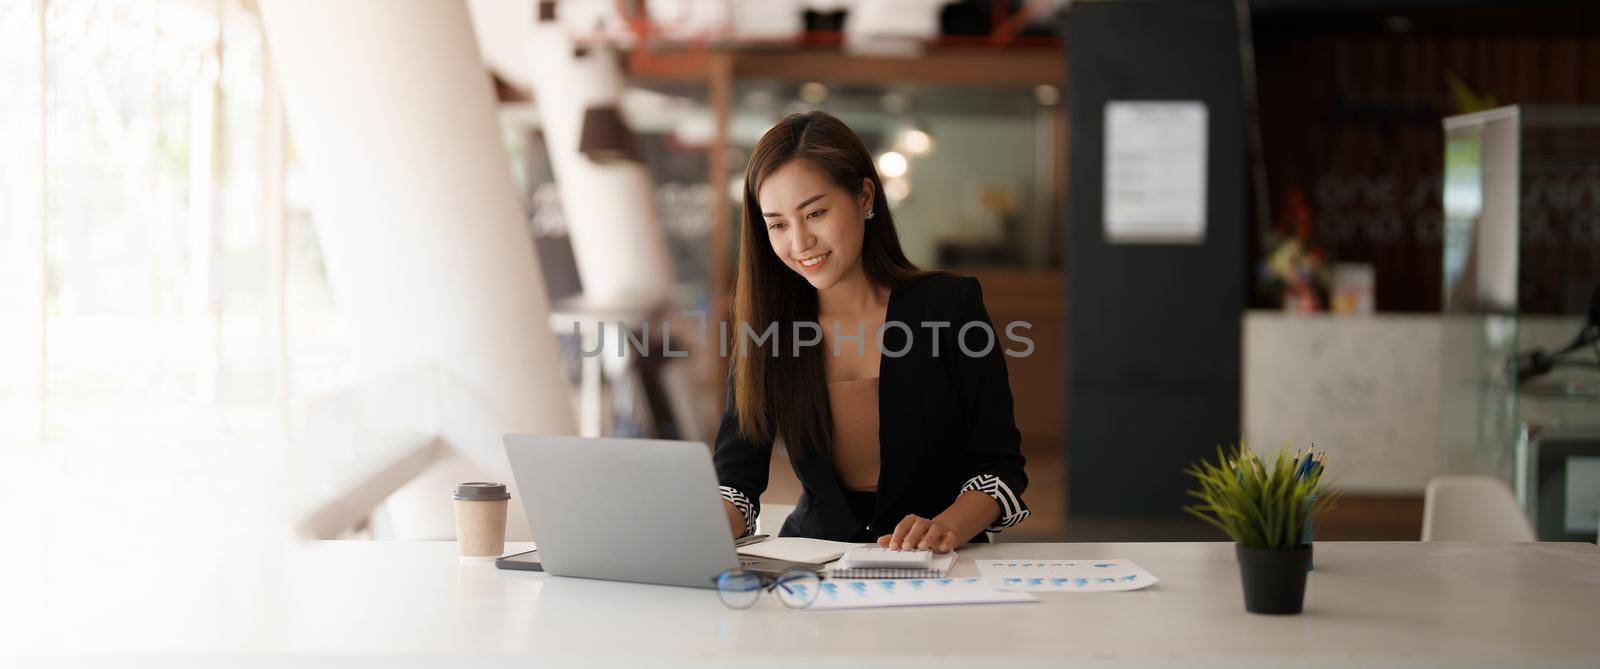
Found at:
[958, 67]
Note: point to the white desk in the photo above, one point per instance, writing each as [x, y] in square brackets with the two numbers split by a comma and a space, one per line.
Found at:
[415, 604]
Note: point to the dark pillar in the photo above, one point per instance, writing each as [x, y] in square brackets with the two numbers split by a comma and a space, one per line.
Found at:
[1153, 333]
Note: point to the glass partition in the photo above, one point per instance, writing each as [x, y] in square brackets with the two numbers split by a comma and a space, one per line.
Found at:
[1521, 265]
[1477, 407]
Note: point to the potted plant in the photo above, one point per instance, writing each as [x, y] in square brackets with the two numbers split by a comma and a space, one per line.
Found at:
[1267, 510]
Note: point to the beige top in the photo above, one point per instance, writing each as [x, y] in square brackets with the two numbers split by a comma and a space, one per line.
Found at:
[855, 432]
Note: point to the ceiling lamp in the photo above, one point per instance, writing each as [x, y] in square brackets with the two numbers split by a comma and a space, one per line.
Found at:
[814, 92]
[892, 164]
[605, 137]
[916, 141]
[897, 189]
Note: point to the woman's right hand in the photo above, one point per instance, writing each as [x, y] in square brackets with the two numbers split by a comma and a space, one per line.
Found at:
[735, 519]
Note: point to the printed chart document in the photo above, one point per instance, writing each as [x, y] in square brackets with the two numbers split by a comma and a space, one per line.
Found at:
[873, 593]
[798, 549]
[1065, 575]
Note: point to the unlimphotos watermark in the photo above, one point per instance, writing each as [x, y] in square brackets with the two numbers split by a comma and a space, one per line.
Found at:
[974, 339]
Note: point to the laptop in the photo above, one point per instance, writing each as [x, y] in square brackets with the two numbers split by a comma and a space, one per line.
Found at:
[641, 510]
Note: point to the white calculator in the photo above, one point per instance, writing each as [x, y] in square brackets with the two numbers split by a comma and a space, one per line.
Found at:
[873, 557]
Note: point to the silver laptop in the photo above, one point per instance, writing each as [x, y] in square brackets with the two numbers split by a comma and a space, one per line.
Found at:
[643, 510]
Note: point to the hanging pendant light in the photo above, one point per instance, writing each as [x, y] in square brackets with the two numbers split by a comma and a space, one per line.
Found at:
[605, 137]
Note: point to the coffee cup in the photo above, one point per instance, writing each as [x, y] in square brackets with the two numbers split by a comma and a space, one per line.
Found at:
[481, 519]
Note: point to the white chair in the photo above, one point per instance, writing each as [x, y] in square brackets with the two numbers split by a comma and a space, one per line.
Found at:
[771, 518]
[1472, 508]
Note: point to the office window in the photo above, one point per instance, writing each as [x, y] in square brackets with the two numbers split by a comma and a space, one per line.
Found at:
[153, 247]
[21, 265]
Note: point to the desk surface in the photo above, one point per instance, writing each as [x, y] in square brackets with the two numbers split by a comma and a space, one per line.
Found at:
[413, 604]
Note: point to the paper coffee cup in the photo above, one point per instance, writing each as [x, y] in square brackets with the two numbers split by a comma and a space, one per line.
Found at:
[481, 519]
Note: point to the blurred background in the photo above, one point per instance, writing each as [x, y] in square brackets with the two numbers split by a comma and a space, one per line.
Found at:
[280, 268]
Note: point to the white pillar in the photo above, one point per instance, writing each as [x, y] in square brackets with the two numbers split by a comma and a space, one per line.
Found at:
[619, 245]
[617, 240]
[427, 251]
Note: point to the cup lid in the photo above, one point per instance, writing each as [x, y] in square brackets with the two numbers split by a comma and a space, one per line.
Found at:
[481, 491]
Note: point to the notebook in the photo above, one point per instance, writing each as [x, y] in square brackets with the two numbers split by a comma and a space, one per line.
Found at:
[867, 563]
[797, 549]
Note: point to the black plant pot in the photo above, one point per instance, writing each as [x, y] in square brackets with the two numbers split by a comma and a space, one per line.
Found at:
[1274, 580]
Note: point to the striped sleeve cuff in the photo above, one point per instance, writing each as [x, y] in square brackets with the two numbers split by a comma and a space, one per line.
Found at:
[1012, 510]
[746, 508]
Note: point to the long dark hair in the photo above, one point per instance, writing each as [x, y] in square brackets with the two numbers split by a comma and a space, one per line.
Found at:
[767, 292]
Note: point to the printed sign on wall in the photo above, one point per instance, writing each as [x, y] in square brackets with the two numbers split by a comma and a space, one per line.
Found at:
[1155, 172]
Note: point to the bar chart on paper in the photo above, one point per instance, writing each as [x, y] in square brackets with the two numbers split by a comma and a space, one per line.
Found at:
[871, 593]
[1065, 575]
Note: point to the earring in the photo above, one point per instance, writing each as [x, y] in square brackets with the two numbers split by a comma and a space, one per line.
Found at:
[871, 213]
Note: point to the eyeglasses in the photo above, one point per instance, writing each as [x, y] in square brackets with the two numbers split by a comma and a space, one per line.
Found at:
[739, 589]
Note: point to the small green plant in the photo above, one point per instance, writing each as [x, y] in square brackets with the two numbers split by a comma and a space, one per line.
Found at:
[1257, 505]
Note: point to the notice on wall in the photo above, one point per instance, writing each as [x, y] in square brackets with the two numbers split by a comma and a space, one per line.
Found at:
[1155, 172]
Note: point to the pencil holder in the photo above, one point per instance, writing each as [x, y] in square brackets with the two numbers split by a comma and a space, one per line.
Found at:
[1267, 509]
[1274, 579]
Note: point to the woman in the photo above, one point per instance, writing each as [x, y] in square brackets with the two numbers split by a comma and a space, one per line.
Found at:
[849, 354]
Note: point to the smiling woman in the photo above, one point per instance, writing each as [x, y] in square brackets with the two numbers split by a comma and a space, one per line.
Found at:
[855, 420]
[828, 220]
[810, 187]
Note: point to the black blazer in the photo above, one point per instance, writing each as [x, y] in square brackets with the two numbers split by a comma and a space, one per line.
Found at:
[945, 426]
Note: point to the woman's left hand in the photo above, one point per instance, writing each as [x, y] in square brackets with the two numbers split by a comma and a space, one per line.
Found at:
[918, 533]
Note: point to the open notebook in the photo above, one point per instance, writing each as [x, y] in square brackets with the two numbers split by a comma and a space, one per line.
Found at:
[797, 549]
[821, 551]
